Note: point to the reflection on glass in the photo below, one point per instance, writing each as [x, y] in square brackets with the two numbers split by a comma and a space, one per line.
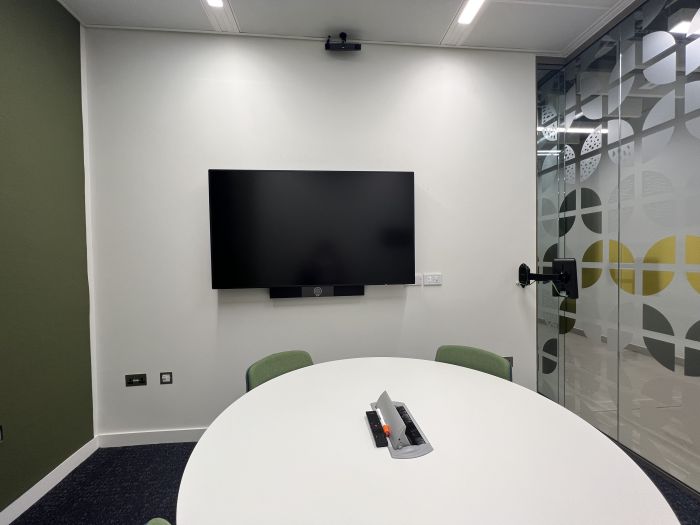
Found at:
[626, 207]
[590, 236]
[551, 156]
[659, 389]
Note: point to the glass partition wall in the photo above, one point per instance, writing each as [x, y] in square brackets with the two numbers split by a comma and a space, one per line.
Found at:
[618, 189]
[549, 190]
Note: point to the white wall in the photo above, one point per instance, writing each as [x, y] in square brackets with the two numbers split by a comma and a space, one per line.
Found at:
[164, 107]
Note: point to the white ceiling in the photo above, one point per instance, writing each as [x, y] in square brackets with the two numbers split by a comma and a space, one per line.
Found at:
[547, 27]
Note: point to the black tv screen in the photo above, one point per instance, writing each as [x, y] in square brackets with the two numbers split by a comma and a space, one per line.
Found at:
[310, 228]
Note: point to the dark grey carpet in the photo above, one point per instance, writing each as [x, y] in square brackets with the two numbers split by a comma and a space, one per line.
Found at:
[120, 486]
[130, 485]
[684, 504]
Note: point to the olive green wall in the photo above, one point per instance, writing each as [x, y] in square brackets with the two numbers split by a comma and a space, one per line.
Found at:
[45, 383]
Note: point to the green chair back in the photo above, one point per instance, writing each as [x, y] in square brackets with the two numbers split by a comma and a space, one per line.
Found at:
[275, 365]
[158, 521]
[476, 359]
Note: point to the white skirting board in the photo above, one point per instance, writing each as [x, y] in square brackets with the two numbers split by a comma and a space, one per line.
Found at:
[34, 494]
[150, 437]
[124, 439]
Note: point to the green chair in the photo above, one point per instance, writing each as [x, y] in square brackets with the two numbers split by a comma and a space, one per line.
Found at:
[275, 365]
[158, 521]
[476, 359]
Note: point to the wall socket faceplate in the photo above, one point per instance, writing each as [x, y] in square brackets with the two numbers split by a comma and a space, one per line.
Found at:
[135, 379]
[166, 378]
[432, 279]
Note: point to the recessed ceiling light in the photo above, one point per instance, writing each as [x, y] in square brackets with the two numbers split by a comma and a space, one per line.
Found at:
[216, 3]
[470, 11]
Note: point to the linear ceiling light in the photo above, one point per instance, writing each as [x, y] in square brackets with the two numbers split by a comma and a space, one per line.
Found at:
[572, 130]
[216, 3]
[680, 21]
[470, 10]
[681, 27]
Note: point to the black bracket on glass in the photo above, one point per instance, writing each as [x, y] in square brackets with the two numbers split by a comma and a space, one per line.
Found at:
[564, 277]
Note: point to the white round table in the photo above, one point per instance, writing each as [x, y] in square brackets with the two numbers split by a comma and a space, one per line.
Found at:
[297, 451]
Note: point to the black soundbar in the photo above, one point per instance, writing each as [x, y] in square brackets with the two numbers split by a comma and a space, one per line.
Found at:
[287, 292]
[343, 46]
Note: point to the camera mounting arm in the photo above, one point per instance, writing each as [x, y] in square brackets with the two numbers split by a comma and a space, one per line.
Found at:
[564, 277]
[526, 277]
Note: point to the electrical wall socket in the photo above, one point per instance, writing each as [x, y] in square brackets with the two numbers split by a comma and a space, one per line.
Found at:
[166, 378]
[135, 379]
[432, 279]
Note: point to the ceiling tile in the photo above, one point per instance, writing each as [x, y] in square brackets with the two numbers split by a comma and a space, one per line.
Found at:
[410, 21]
[529, 26]
[549, 27]
[157, 14]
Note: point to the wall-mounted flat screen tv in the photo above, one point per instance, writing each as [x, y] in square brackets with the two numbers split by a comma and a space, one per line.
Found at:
[311, 228]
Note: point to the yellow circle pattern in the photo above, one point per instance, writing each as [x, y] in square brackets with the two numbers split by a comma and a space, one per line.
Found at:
[654, 278]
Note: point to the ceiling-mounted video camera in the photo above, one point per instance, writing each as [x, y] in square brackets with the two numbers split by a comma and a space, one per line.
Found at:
[343, 45]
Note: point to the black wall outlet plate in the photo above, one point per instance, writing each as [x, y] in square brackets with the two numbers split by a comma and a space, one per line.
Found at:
[135, 379]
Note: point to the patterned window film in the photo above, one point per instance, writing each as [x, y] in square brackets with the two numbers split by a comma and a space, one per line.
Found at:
[619, 189]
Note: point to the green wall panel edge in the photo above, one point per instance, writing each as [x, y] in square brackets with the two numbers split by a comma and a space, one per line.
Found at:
[45, 377]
